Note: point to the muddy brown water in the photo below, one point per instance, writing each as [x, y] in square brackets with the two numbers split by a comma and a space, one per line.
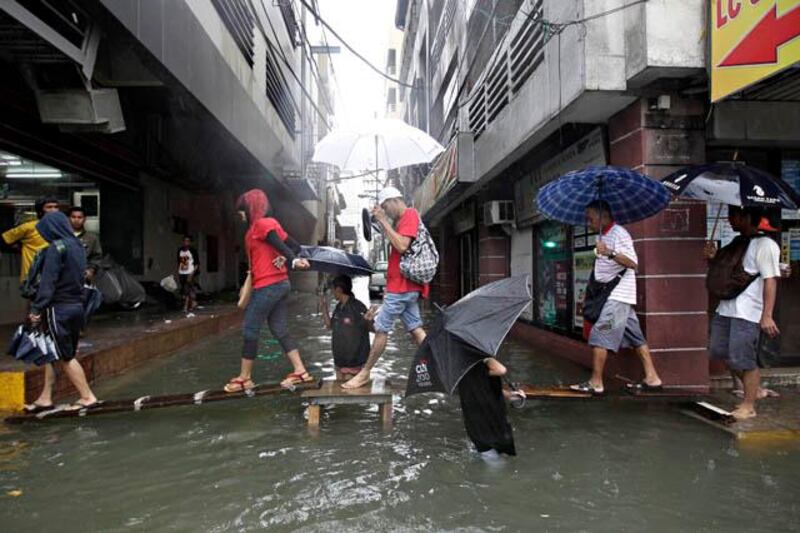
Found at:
[252, 465]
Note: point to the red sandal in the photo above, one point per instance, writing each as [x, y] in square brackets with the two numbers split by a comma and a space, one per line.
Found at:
[238, 385]
[296, 379]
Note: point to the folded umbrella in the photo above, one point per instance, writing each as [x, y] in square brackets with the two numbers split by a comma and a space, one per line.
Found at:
[630, 195]
[335, 261]
[732, 183]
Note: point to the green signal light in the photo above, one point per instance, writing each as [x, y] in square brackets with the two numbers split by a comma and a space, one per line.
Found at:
[550, 244]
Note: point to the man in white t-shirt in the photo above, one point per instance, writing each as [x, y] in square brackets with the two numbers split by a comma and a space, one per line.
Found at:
[617, 326]
[738, 325]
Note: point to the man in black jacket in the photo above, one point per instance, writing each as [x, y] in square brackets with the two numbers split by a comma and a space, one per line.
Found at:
[58, 305]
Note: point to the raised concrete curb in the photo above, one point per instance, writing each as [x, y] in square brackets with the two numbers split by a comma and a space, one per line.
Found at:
[114, 357]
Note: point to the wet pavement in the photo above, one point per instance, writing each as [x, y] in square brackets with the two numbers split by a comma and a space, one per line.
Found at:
[251, 465]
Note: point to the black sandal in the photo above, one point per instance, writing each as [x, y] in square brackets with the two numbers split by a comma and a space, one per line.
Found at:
[35, 408]
[643, 387]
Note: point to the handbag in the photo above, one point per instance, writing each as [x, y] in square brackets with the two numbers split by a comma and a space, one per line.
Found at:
[597, 294]
[419, 262]
[246, 292]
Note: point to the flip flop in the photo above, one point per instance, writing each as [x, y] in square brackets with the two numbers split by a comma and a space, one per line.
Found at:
[33, 408]
[587, 387]
[238, 385]
[296, 379]
[78, 406]
[644, 387]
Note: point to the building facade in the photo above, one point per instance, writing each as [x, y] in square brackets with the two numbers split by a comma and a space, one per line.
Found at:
[155, 116]
[524, 91]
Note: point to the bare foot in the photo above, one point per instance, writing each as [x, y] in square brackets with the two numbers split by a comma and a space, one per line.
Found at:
[743, 413]
[359, 380]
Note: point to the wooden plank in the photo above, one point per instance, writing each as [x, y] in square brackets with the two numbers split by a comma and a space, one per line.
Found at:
[387, 411]
[331, 392]
[154, 402]
[314, 415]
[559, 392]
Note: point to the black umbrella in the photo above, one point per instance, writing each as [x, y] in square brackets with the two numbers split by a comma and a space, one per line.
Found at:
[484, 317]
[335, 261]
[732, 183]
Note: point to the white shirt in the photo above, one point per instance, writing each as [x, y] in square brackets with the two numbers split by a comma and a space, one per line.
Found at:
[763, 259]
[619, 240]
[186, 265]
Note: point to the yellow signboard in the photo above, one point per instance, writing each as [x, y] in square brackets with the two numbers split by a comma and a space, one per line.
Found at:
[750, 40]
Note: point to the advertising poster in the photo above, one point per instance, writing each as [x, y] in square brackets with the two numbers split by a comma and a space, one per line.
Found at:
[582, 263]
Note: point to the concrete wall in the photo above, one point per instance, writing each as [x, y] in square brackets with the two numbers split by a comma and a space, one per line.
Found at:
[190, 40]
[206, 215]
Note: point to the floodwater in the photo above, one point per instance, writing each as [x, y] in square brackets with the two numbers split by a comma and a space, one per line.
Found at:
[252, 465]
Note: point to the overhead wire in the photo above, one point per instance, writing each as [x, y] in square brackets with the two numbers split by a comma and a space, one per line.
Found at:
[353, 50]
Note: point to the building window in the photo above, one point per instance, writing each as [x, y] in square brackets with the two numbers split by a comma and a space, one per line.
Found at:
[278, 93]
[391, 62]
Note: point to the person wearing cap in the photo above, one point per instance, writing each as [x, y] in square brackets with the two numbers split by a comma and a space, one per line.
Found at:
[401, 298]
[740, 323]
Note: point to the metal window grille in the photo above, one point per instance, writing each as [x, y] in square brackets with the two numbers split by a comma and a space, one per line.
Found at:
[240, 22]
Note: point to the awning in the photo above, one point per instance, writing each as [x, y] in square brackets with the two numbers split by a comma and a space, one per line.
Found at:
[442, 177]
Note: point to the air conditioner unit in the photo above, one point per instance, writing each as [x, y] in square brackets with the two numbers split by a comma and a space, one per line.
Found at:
[498, 212]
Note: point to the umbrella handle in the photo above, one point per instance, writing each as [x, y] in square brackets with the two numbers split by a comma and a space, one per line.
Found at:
[716, 223]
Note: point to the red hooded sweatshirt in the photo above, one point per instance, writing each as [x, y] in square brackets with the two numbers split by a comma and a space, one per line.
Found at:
[260, 252]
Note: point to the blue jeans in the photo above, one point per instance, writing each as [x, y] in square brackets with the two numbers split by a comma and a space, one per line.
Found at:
[267, 303]
[403, 305]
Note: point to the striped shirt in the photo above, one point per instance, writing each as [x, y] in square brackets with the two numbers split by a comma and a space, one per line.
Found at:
[619, 240]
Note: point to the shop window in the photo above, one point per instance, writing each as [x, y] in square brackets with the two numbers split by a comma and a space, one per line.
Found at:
[553, 275]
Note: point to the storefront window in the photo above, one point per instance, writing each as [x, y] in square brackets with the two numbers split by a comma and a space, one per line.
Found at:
[583, 242]
[22, 181]
[553, 266]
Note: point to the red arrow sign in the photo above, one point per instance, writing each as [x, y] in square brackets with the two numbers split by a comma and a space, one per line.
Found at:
[760, 46]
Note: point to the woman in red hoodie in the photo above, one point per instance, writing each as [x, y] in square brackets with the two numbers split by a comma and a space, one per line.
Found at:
[271, 251]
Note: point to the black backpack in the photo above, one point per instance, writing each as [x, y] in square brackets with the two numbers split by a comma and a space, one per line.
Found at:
[30, 285]
[727, 277]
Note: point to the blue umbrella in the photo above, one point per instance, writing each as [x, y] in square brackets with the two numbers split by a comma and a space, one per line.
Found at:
[630, 195]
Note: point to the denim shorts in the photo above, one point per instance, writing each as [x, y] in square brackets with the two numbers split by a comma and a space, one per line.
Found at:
[735, 341]
[617, 327]
[404, 305]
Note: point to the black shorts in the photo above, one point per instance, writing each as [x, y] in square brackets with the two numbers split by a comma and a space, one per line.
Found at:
[65, 321]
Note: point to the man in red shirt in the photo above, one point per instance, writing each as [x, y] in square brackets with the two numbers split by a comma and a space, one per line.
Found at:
[401, 298]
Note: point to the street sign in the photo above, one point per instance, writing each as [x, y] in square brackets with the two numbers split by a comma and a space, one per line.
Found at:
[751, 40]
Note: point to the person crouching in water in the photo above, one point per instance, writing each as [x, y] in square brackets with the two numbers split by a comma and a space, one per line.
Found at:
[58, 304]
[350, 328]
[270, 250]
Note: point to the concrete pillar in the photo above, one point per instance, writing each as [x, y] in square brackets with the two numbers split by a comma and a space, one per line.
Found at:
[672, 299]
[494, 253]
[444, 288]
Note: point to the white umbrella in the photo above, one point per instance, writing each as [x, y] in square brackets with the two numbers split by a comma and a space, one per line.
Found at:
[380, 144]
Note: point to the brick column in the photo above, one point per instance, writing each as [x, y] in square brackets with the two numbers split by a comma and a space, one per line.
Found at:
[494, 253]
[672, 299]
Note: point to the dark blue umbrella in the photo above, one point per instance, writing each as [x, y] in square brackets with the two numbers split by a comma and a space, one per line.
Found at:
[335, 261]
[732, 183]
[630, 195]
